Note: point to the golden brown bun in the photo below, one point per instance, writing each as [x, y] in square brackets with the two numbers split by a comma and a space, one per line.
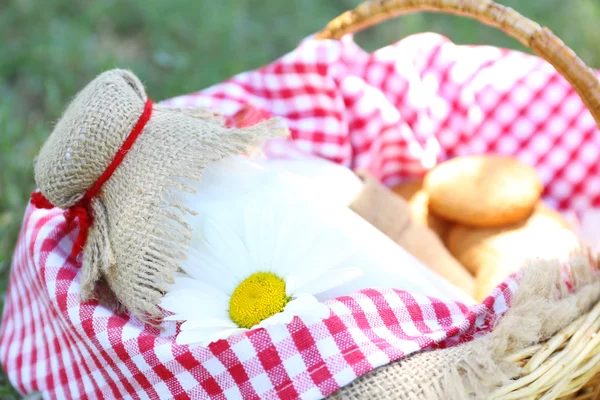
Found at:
[492, 254]
[483, 190]
[418, 201]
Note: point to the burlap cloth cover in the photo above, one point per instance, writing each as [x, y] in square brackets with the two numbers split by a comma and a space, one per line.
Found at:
[138, 234]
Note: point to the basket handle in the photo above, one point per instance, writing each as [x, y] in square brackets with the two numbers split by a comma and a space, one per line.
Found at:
[540, 39]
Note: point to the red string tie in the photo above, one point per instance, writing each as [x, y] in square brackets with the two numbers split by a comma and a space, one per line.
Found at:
[81, 211]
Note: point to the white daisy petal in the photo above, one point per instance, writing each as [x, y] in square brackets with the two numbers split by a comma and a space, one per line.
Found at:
[276, 231]
[183, 282]
[202, 265]
[259, 232]
[195, 304]
[208, 322]
[281, 318]
[293, 241]
[316, 313]
[304, 306]
[318, 179]
[326, 280]
[227, 246]
[197, 335]
[205, 336]
[268, 237]
[185, 286]
[331, 251]
[295, 244]
[230, 178]
[291, 283]
[309, 270]
[313, 249]
[200, 260]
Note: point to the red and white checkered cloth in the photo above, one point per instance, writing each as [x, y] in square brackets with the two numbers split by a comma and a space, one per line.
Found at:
[396, 112]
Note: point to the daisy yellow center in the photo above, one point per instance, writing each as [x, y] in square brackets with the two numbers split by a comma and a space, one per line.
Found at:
[258, 297]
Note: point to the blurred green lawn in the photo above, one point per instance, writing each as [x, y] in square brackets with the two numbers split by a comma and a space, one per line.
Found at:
[50, 49]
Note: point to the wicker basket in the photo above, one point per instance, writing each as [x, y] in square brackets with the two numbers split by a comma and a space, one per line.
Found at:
[568, 364]
[545, 345]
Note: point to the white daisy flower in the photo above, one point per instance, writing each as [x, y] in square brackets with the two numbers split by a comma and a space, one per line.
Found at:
[267, 248]
[257, 258]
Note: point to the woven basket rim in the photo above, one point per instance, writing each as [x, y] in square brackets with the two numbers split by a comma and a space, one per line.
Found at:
[540, 39]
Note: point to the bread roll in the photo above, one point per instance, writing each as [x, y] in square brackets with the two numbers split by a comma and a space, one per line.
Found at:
[483, 190]
[492, 254]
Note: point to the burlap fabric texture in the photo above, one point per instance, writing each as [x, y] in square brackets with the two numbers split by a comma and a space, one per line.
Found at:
[138, 236]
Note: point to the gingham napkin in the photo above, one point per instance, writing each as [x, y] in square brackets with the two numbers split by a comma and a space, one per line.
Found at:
[396, 113]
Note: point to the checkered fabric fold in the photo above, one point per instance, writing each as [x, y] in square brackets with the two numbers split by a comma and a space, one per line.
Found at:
[395, 112]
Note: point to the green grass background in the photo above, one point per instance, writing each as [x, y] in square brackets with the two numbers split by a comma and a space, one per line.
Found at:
[50, 49]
